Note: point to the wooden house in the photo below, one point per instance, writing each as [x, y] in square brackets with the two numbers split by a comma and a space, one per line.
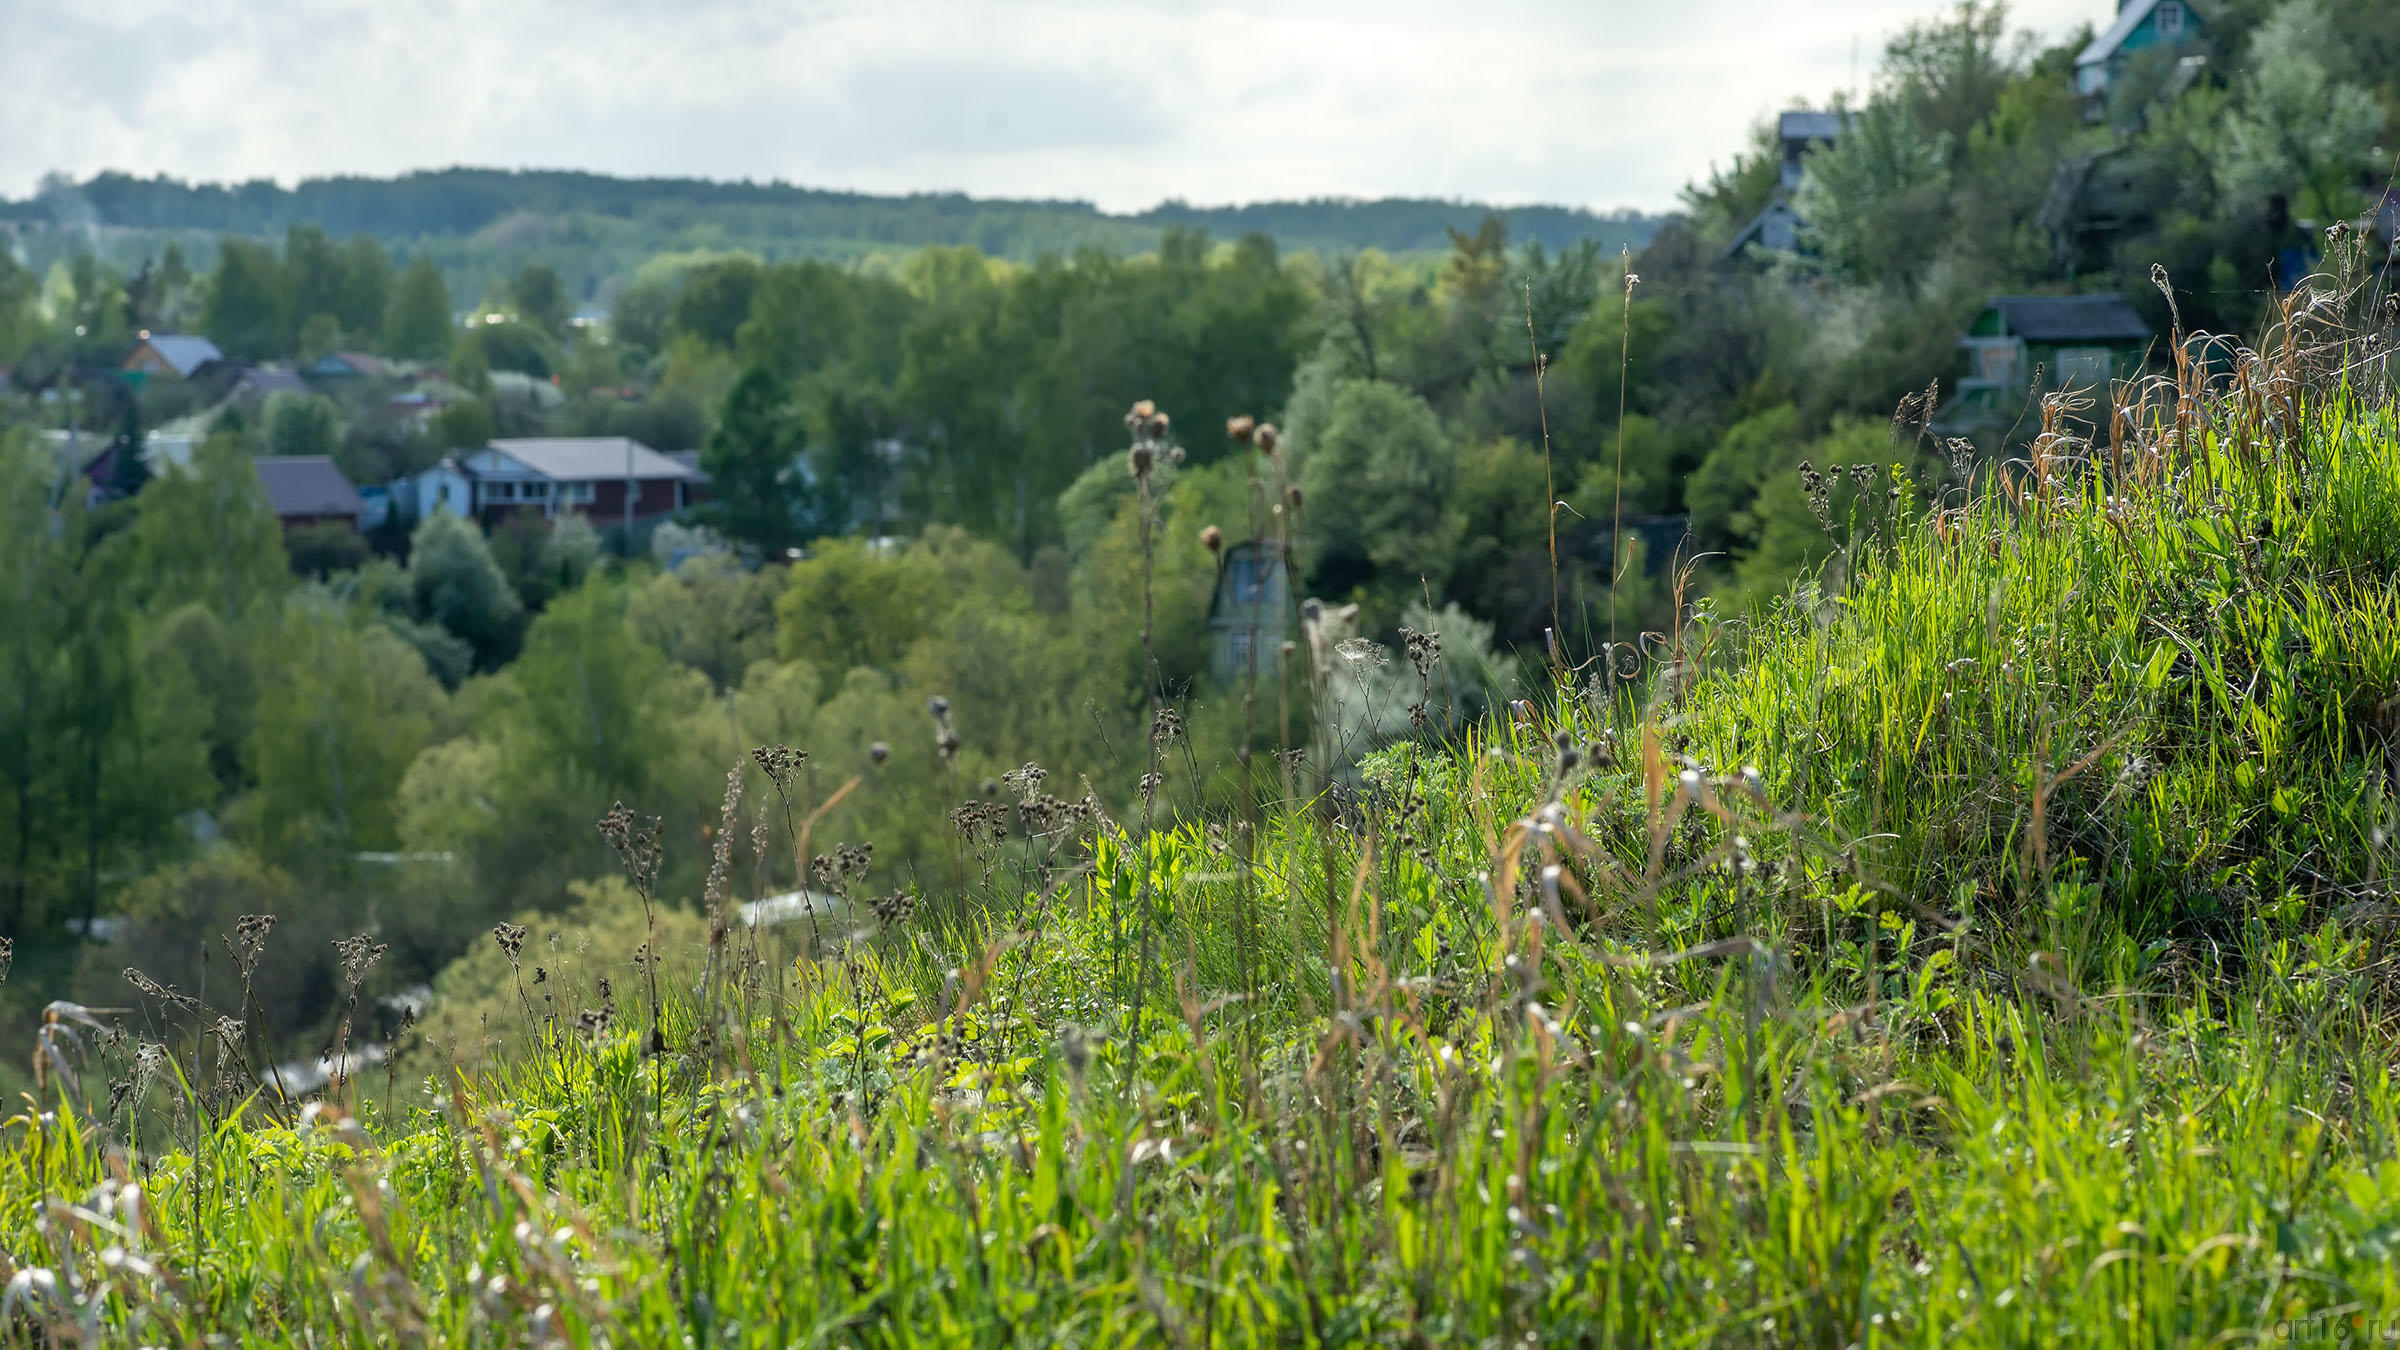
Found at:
[609, 478]
[2023, 345]
[176, 356]
[2141, 25]
[1251, 613]
[1778, 228]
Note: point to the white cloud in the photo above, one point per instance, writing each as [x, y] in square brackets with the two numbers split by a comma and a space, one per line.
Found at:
[1604, 103]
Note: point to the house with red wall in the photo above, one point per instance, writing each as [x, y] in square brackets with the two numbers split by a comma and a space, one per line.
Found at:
[598, 476]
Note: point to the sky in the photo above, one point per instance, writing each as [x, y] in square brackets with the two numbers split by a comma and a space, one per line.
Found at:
[1603, 104]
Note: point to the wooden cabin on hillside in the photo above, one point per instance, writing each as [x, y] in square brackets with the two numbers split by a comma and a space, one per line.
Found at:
[2172, 28]
[172, 356]
[1251, 613]
[2023, 346]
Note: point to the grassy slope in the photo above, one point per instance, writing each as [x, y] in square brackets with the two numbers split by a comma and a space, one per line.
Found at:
[2067, 1018]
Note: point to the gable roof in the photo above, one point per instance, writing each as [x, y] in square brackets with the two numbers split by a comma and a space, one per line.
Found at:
[307, 485]
[261, 380]
[579, 459]
[1778, 217]
[349, 363]
[2129, 17]
[184, 351]
[2072, 318]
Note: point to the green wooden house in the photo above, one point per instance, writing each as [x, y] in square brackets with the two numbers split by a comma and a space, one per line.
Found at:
[2025, 345]
[2141, 25]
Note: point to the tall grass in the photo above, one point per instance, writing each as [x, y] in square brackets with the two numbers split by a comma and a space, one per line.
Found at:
[1991, 944]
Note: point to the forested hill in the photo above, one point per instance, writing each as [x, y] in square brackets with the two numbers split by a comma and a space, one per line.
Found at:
[501, 208]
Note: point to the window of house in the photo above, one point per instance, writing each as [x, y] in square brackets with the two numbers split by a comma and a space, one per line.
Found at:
[1237, 645]
[575, 492]
[1243, 575]
[534, 492]
[501, 492]
[2170, 19]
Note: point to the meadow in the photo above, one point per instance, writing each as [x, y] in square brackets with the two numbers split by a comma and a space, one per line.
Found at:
[1990, 943]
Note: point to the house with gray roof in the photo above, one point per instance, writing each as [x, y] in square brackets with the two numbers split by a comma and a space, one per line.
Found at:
[309, 490]
[1778, 228]
[608, 478]
[172, 355]
[2021, 346]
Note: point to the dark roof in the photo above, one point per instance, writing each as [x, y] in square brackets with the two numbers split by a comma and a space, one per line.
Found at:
[2072, 318]
[349, 363]
[261, 380]
[1811, 126]
[307, 485]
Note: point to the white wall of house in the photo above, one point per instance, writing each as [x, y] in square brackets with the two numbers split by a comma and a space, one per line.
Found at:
[442, 488]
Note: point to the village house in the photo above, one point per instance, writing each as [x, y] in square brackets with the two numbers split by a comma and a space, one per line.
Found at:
[172, 355]
[257, 384]
[1778, 228]
[2025, 345]
[2141, 25]
[608, 478]
[1250, 614]
[309, 490]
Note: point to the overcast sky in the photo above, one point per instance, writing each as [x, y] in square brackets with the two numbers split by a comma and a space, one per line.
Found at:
[1124, 102]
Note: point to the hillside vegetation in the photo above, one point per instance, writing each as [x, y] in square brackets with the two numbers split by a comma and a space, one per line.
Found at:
[483, 225]
[1990, 944]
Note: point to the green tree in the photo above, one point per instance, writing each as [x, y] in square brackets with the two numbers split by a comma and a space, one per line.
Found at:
[19, 290]
[464, 424]
[223, 666]
[458, 586]
[2297, 129]
[302, 424]
[313, 284]
[588, 712]
[715, 300]
[129, 450]
[247, 300]
[366, 289]
[417, 325]
[1875, 199]
[540, 298]
[752, 459]
[1376, 476]
[205, 535]
[353, 705]
[320, 335]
